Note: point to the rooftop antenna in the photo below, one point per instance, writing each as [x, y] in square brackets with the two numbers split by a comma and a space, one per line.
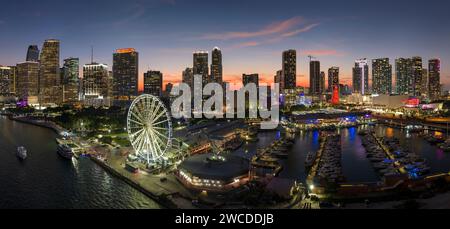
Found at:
[310, 58]
[92, 54]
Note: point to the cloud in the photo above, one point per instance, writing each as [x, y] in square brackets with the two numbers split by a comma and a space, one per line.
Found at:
[298, 31]
[247, 44]
[271, 29]
[322, 52]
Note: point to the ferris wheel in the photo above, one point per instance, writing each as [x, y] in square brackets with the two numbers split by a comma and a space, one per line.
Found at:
[149, 128]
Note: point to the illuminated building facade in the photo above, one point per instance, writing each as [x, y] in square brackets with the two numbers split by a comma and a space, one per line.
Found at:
[188, 77]
[27, 80]
[200, 66]
[403, 76]
[381, 76]
[50, 88]
[333, 78]
[416, 69]
[314, 78]
[250, 78]
[278, 78]
[71, 80]
[434, 78]
[7, 80]
[360, 77]
[125, 73]
[216, 66]
[289, 68]
[153, 83]
[95, 81]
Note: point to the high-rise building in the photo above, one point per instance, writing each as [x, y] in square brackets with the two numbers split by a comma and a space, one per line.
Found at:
[434, 78]
[314, 77]
[50, 90]
[250, 78]
[216, 66]
[278, 78]
[6, 80]
[416, 69]
[27, 79]
[200, 66]
[125, 73]
[403, 76]
[289, 69]
[333, 78]
[322, 83]
[381, 76]
[360, 79]
[71, 80]
[424, 91]
[188, 77]
[153, 83]
[95, 81]
[33, 53]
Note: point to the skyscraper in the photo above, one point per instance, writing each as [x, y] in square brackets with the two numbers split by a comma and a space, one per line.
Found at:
[403, 76]
[216, 66]
[424, 91]
[314, 77]
[200, 66]
[322, 83]
[188, 77]
[27, 79]
[6, 79]
[289, 69]
[95, 81]
[250, 78]
[153, 83]
[333, 78]
[381, 76]
[278, 78]
[33, 53]
[71, 80]
[360, 77]
[125, 73]
[434, 78]
[416, 69]
[50, 90]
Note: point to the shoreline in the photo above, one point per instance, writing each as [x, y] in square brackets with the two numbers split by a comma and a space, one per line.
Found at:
[159, 199]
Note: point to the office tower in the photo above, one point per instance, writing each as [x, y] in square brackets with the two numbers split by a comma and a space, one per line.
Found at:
[250, 78]
[50, 90]
[188, 77]
[125, 73]
[381, 76]
[424, 90]
[278, 78]
[360, 79]
[153, 83]
[333, 78]
[33, 53]
[216, 66]
[322, 83]
[403, 77]
[13, 77]
[289, 69]
[6, 80]
[27, 79]
[95, 80]
[71, 80]
[200, 66]
[434, 78]
[416, 69]
[168, 88]
[314, 77]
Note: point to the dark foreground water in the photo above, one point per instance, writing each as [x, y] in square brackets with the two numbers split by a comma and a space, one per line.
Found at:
[46, 180]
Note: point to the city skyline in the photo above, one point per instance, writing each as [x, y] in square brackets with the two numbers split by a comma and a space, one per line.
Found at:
[256, 47]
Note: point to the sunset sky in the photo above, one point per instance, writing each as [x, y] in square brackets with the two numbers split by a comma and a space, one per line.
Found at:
[251, 34]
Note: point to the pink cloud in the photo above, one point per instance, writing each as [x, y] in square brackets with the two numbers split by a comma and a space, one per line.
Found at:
[273, 28]
[298, 31]
[247, 44]
[322, 52]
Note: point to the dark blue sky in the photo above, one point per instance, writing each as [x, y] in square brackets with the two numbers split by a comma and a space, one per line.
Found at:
[251, 34]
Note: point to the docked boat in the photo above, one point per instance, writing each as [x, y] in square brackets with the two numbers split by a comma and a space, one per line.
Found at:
[309, 160]
[21, 153]
[65, 151]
